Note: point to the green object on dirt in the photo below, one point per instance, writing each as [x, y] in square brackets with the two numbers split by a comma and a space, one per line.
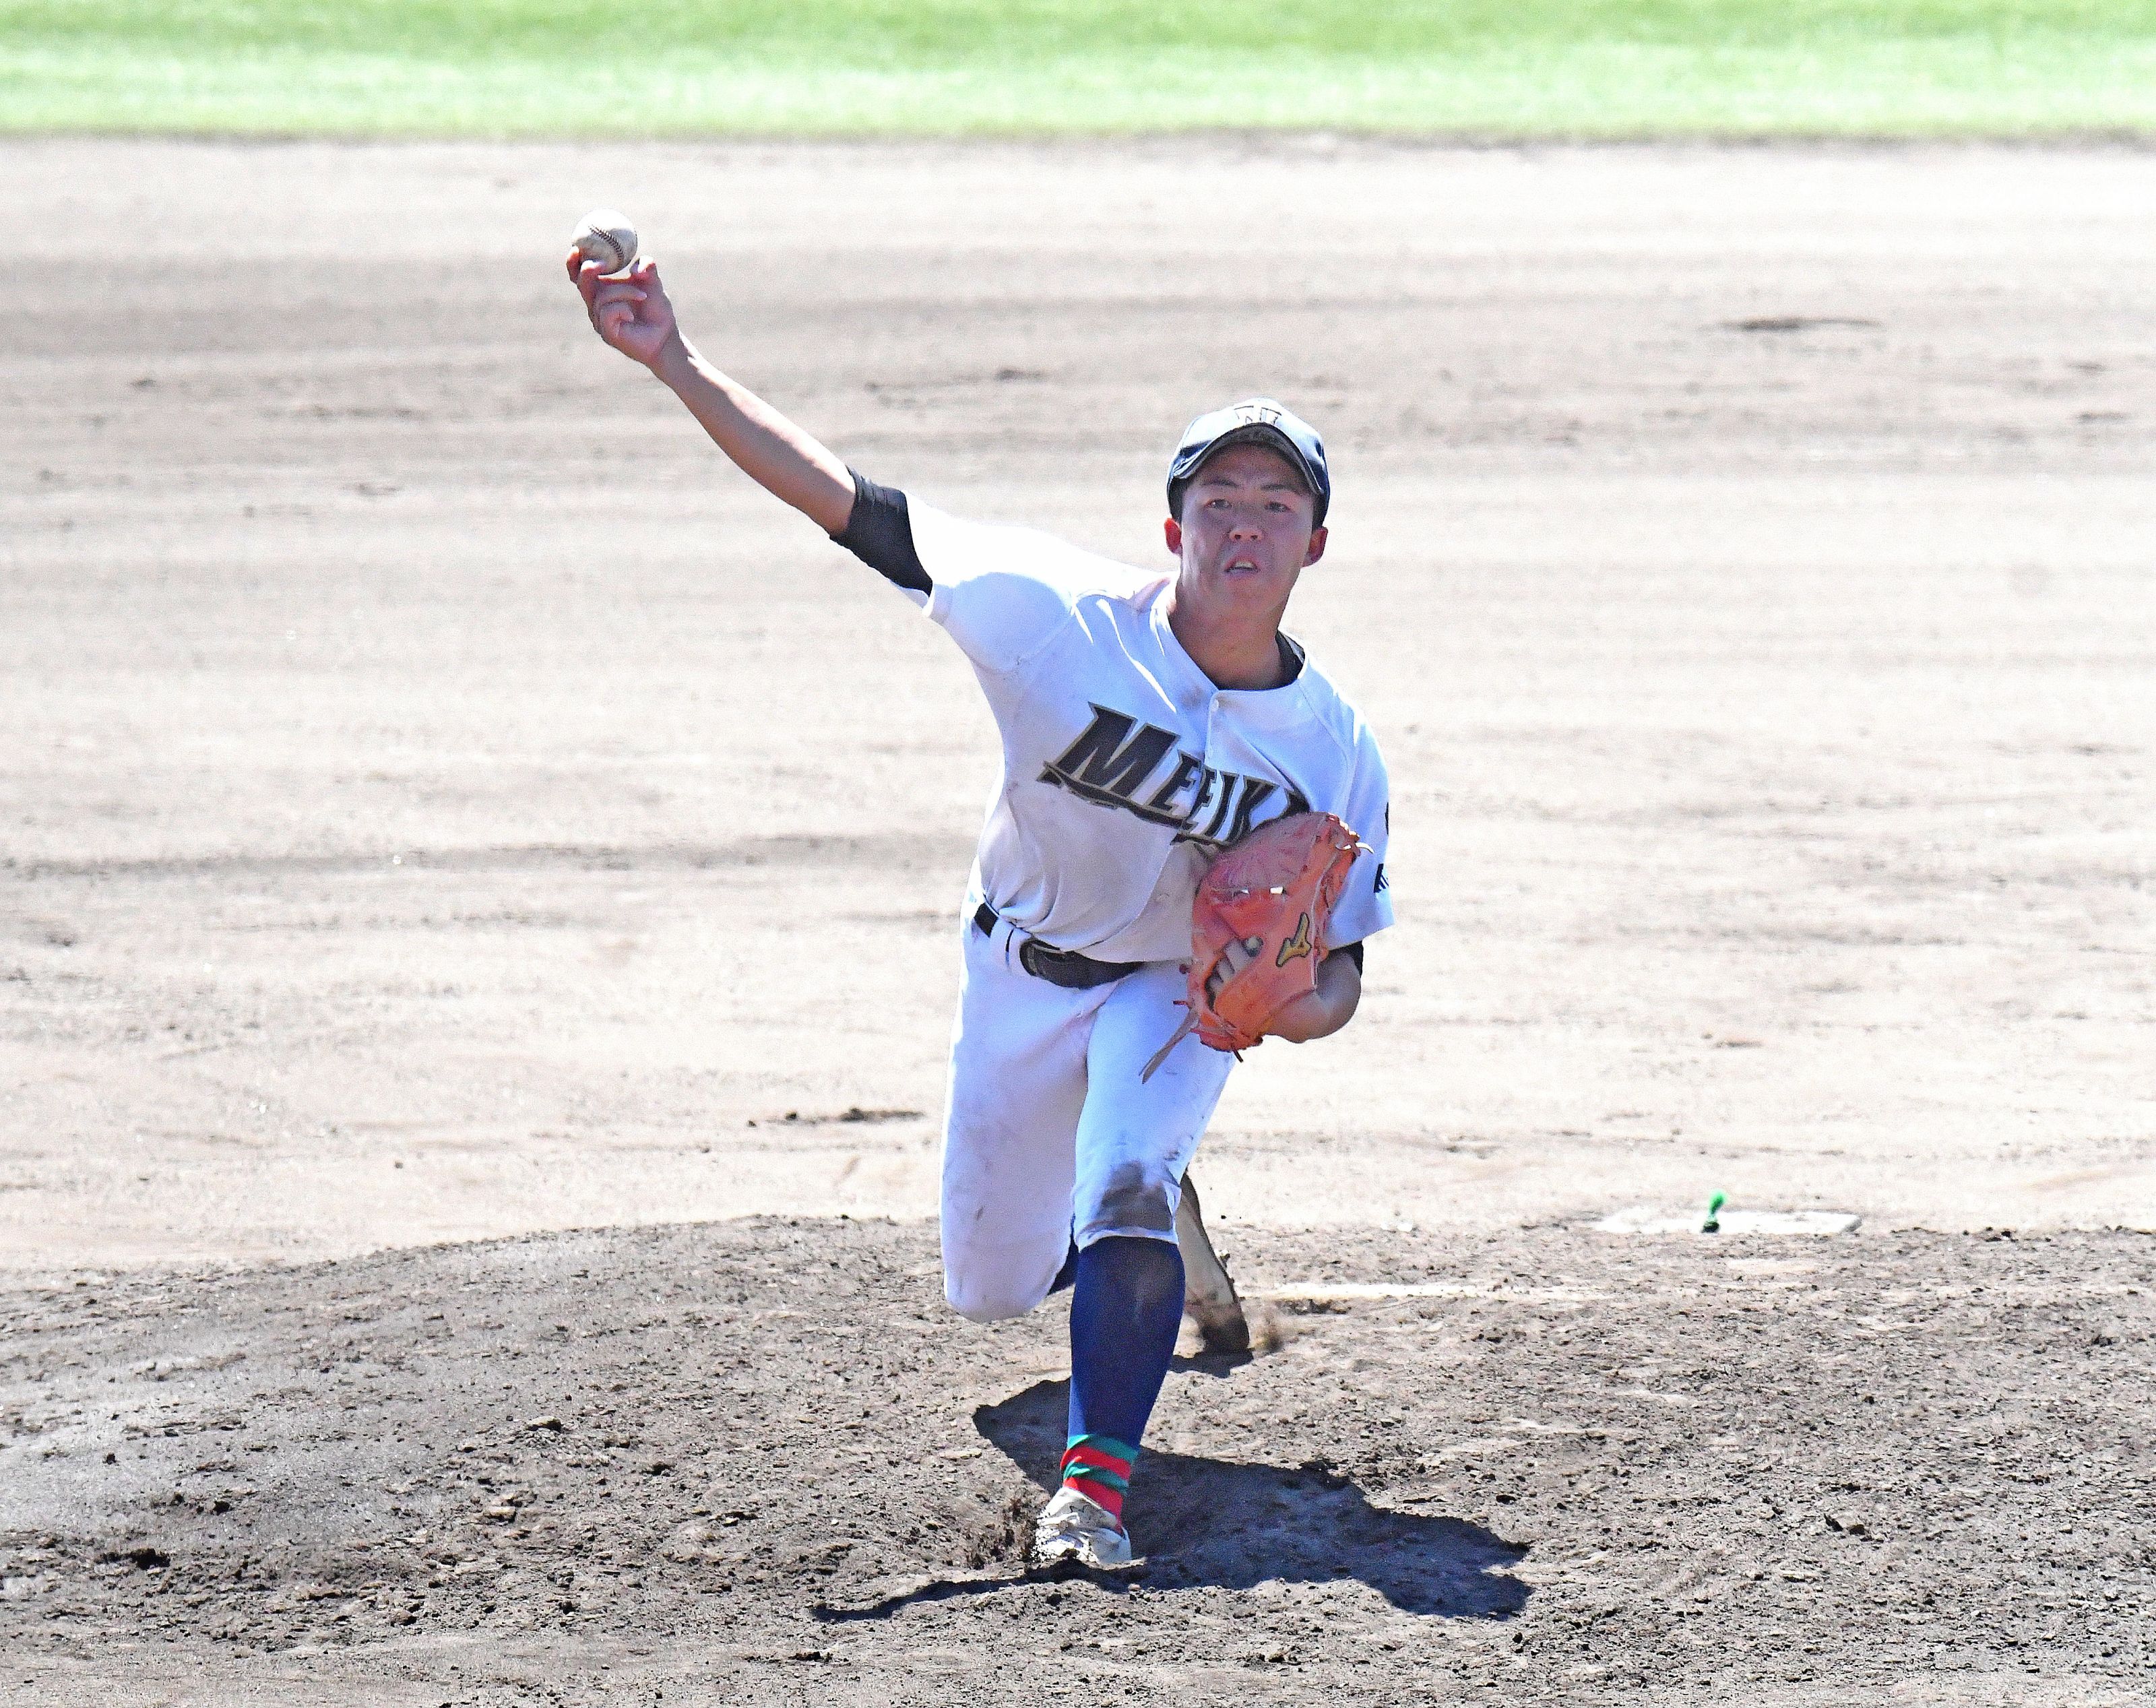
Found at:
[1713, 1224]
[708, 68]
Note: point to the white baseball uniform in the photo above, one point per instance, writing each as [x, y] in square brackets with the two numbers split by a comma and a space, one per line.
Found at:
[1125, 770]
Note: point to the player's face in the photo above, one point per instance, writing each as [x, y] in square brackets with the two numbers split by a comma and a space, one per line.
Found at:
[1244, 533]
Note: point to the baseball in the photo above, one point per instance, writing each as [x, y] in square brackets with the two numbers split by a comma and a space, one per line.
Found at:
[609, 238]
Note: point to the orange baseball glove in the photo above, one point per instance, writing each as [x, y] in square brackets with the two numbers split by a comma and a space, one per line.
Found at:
[1272, 892]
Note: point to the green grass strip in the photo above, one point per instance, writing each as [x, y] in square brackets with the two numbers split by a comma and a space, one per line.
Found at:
[700, 68]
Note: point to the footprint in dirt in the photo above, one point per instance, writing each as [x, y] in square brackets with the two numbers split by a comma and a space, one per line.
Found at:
[1233, 1526]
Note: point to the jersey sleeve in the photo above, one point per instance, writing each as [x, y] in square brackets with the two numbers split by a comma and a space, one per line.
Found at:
[1365, 903]
[1003, 593]
[880, 532]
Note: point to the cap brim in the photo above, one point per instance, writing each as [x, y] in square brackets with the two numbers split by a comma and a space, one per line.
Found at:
[1255, 432]
[1258, 432]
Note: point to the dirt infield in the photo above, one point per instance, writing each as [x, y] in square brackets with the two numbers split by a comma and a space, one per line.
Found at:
[441, 804]
[751, 1463]
[437, 794]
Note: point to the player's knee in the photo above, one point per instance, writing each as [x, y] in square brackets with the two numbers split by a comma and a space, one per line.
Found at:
[989, 1298]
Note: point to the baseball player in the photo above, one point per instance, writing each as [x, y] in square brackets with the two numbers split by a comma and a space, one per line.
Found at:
[1148, 719]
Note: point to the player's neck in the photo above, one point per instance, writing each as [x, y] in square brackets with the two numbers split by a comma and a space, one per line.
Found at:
[1234, 652]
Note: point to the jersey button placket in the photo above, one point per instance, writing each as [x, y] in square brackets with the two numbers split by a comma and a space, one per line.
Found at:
[1211, 809]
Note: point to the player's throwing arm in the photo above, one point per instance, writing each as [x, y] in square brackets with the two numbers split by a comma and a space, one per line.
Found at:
[631, 311]
[1150, 721]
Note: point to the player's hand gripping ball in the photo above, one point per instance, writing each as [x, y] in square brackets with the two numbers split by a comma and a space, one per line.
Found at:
[629, 308]
[1269, 897]
[607, 237]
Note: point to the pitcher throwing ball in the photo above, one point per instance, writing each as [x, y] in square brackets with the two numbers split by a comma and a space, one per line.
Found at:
[1149, 720]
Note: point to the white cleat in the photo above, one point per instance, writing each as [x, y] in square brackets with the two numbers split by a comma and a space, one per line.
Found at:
[1209, 1293]
[1073, 1528]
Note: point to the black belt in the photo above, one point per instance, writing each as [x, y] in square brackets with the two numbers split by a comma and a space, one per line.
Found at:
[1065, 967]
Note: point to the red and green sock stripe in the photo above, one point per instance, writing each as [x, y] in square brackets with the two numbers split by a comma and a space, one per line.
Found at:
[1099, 1467]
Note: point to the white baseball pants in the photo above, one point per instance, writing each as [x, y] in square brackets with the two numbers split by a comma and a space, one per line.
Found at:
[1049, 1136]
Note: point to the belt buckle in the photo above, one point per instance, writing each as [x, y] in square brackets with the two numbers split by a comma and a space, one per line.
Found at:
[1029, 952]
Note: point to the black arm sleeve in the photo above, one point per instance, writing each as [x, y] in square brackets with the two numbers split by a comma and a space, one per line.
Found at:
[1353, 952]
[881, 534]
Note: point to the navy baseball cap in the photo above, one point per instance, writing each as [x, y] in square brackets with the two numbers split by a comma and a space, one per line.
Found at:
[1259, 421]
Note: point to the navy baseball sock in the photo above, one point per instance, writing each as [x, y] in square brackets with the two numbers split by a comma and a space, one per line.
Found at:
[1125, 1309]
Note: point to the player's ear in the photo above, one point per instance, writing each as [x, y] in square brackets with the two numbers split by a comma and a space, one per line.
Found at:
[1174, 533]
[1316, 547]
